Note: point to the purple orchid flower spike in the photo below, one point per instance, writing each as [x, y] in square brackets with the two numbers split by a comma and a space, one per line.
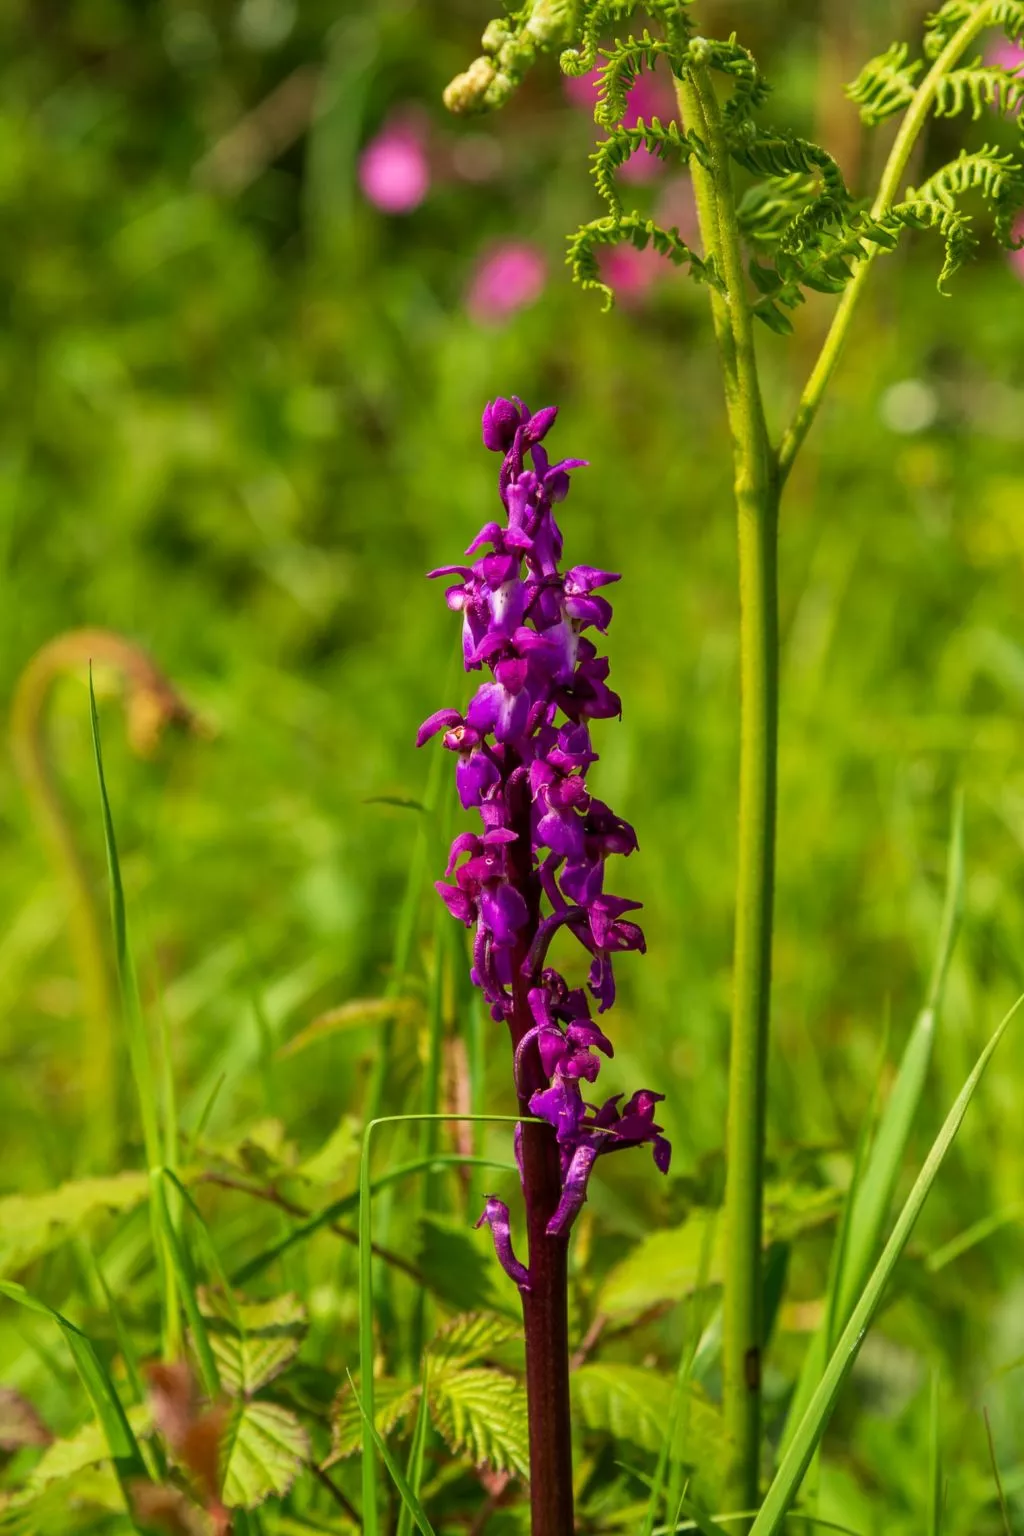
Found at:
[534, 874]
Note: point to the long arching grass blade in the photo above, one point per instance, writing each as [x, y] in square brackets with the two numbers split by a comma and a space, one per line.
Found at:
[121, 1442]
[140, 1050]
[787, 1480]
[405, 1493]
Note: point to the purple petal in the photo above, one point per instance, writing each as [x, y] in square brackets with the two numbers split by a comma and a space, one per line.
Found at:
[440, 720]
[496, 1216]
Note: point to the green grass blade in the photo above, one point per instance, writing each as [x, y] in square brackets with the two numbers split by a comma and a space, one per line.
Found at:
[787, 1480]
[139, 1050]
[417, 1453]
[188, 1285]
[125, 1454]
[405, 1493]
[875, 1176]
[349, 1202]
[140, 1053]
[871, 1207]
[680, 1397]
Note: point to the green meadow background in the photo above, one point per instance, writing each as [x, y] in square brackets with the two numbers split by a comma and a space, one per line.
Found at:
[241, 420]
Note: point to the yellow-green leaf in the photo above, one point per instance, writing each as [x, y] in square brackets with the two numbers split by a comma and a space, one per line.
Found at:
[252, 1342]
[482, 1414]
[265, 1449]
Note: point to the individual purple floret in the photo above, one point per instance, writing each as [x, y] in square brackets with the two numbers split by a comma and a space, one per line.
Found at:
[537, 865]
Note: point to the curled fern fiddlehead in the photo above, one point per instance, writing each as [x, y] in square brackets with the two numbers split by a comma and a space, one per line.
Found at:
[600, 16]
[639, 232]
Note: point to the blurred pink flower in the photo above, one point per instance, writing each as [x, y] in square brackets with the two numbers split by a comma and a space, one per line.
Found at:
[394, 172]
[630, 273]
[677, 209]
[651, 95]
[1016, 258]
[508, 277]
[1006, 55]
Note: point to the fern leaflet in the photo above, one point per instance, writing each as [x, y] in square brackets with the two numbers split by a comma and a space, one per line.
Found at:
[598, 17]
[885, 85]
[667, 141]
[632, 227]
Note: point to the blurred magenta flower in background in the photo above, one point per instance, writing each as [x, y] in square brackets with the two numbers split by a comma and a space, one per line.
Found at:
[651, 95]
[631, 273]
[507, 278]
[1017, 257]
[394, 172]
[1004, 54]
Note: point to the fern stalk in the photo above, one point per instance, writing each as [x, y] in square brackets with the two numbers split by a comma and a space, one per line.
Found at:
[916, 116]
[756, 495]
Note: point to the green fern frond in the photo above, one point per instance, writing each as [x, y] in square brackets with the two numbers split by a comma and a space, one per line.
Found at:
[770, 152]
[768, 208]
[978, 86]
[638, 231]
[625, 62]
[997, 176]
[666, 140]
[949, 18]
[885, 85]
[599, 17]
[950, 223]
[750, 89]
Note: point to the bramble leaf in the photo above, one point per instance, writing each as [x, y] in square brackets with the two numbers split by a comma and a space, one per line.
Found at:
[481, 1413]
[252, 1342]
[265, 1449]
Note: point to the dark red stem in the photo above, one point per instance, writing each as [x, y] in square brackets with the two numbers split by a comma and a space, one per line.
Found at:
[546, 1303]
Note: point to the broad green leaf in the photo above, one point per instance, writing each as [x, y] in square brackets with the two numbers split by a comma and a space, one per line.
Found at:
[393, 1401]
[252, 1342]
[481, 1413]
[812, 1426]
[634, 1403]
[353, 1015]
[459, 1266]
[30, 1225]
[468, 1338]
[20, 1424]
[664, 1267]
[87, 1448]
[265, 1449]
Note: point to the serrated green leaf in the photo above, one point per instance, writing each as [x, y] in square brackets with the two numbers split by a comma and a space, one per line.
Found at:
[86, 1448]
[252, 1342]
[481, 1413]
[265, 1449]
[469, 1338]
[458, 1265]
[393, 1401]
[30, 1225]
[634, 1403]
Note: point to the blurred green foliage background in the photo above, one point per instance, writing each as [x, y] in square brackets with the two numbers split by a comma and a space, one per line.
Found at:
[241, 421]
